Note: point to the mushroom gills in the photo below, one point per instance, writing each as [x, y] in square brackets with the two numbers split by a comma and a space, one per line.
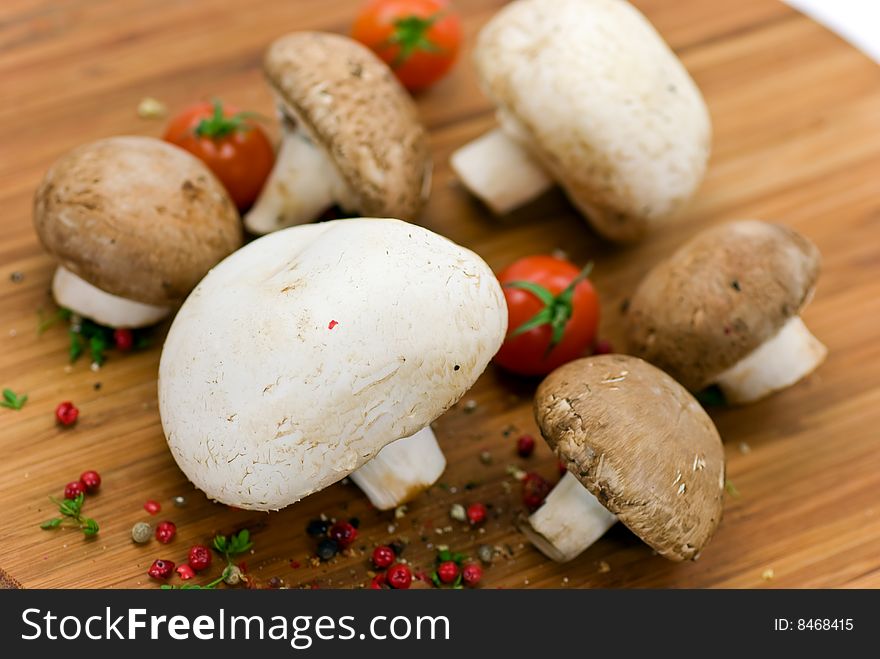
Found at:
[303, 183]
[401, 470]
[779, 362]
[81, 297]
[499, 171]
[570, 520]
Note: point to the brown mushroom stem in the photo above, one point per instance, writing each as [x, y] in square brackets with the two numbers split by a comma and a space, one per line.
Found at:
[498, 170]
[775, 364]
[570, 520]
[303, 183]
[401, 470]
[76, 294]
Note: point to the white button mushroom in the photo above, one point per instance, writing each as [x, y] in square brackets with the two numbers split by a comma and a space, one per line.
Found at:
[134, 224]
[588, 96]
[298, 358]
[724, 309]
[638, 447]
[351, 135]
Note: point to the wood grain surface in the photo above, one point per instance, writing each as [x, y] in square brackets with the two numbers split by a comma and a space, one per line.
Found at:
[795, 112]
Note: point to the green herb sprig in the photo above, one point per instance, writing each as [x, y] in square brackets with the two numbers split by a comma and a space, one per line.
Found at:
[71, 511]
[87, 336]
[229, 547]
[12, 400]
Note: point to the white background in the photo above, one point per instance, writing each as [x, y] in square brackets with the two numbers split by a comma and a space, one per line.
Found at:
[857, 21]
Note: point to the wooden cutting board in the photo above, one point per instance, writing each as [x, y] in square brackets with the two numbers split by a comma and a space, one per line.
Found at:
[797, 140]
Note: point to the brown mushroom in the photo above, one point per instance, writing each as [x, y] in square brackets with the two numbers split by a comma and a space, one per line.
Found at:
[638, 448]
[352, 136]
[724, 309]
[134, 224]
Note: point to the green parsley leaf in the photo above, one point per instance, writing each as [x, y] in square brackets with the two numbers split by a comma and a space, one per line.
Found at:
[77, 345]
[13, 401]
[220, 543]
[53, 523]
[89, 526]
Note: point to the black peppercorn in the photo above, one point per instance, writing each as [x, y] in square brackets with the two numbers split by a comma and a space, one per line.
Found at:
[327, 549]
[317, 527]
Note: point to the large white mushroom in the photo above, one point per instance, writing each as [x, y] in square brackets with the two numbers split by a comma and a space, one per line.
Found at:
[134, 224]
[588, 96]
[301, 358]
[350, 135]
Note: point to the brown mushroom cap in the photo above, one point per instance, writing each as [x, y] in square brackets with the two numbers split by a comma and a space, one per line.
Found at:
[136, 217]
[720, 296]
[641, 444]
[349, 101]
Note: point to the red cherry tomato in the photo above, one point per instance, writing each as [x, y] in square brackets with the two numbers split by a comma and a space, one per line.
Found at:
[229, 143]
[553, 313]
[418, 39]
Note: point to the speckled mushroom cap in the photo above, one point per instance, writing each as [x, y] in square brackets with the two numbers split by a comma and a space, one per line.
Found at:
[641, 444]
[349, 102]
[591, 89]
[136, 217]
[299, 357]
[721, 295]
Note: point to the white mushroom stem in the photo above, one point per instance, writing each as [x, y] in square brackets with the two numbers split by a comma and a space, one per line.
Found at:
[498, 170]
[78, 295]
[777, 363]
[401, 470]
[569, 521]
[303, 184]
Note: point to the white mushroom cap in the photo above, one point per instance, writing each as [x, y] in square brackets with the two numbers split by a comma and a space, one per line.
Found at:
[592, 92]
[303, 354]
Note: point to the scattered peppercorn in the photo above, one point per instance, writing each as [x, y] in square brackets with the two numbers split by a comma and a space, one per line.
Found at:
[275, 582]
[471, 574]
[317, 527]
[447, 571]
[232, 575]
[152, 507]
[66, 413]
[141, 532]
[123, 339]
[399, 576]
[525, 446]
[91, 480]
[535, 490]
[327, 549]
[476, 513]
[378, 581]
[16, 277]
[397, 547]
[383, 556]
[161, 569]
[185, 572]
[199, 557]
[179, 502]
[486, 553]
[355, 522]
[165, 532]
[457, 512]
[73, 489]
[343, 533]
